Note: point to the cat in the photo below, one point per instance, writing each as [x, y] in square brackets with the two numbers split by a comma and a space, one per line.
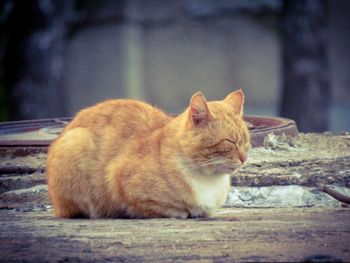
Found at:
[127, 159]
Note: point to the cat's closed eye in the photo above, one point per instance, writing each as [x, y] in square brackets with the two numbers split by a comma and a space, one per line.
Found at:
[222, 148]
[222, 152]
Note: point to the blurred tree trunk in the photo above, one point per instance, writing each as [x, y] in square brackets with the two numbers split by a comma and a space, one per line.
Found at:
[33, 59]
[306, 86]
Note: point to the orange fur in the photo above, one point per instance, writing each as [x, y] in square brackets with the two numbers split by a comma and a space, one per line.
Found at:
[125, 158]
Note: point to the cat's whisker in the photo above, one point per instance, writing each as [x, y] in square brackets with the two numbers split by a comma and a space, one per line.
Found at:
[210, 163]
[202, 164]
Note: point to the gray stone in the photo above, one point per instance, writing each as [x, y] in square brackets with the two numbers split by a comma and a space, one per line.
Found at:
[282, 196]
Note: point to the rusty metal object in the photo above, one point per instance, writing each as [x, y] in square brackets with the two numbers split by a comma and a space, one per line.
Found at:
[33, 136]
[261, 126]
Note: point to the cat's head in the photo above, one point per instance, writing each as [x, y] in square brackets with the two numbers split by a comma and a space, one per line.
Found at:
[215, 138]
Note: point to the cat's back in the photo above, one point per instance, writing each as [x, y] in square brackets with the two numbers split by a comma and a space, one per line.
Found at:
[99, 134]
[126, 117]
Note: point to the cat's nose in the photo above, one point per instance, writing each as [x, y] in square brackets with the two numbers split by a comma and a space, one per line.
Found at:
[242, 157]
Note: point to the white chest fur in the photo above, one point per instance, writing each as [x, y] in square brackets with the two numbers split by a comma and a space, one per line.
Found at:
[209, 191]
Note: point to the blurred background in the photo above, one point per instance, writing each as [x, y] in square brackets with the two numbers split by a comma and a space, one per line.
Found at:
[291, 57]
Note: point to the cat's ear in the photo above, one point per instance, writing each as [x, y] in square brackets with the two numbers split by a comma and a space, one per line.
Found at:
[236, 99]
[199, 110]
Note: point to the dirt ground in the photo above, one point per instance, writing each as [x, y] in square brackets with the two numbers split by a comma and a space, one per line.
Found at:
[236, 235]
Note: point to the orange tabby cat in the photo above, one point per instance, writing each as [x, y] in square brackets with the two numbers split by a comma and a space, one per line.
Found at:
[125, 158]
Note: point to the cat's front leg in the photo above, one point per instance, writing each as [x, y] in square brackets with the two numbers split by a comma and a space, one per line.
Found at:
[198, 212]
[175, 213]
[152, 209]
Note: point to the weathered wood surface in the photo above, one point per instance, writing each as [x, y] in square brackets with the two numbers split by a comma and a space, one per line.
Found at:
[237, 235]
[307, 160]
[30, 233]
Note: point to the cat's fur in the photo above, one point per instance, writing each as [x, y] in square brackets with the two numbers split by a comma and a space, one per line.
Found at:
[125, 158]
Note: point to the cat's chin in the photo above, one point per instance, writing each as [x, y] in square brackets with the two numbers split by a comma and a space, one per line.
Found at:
[226, 169]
